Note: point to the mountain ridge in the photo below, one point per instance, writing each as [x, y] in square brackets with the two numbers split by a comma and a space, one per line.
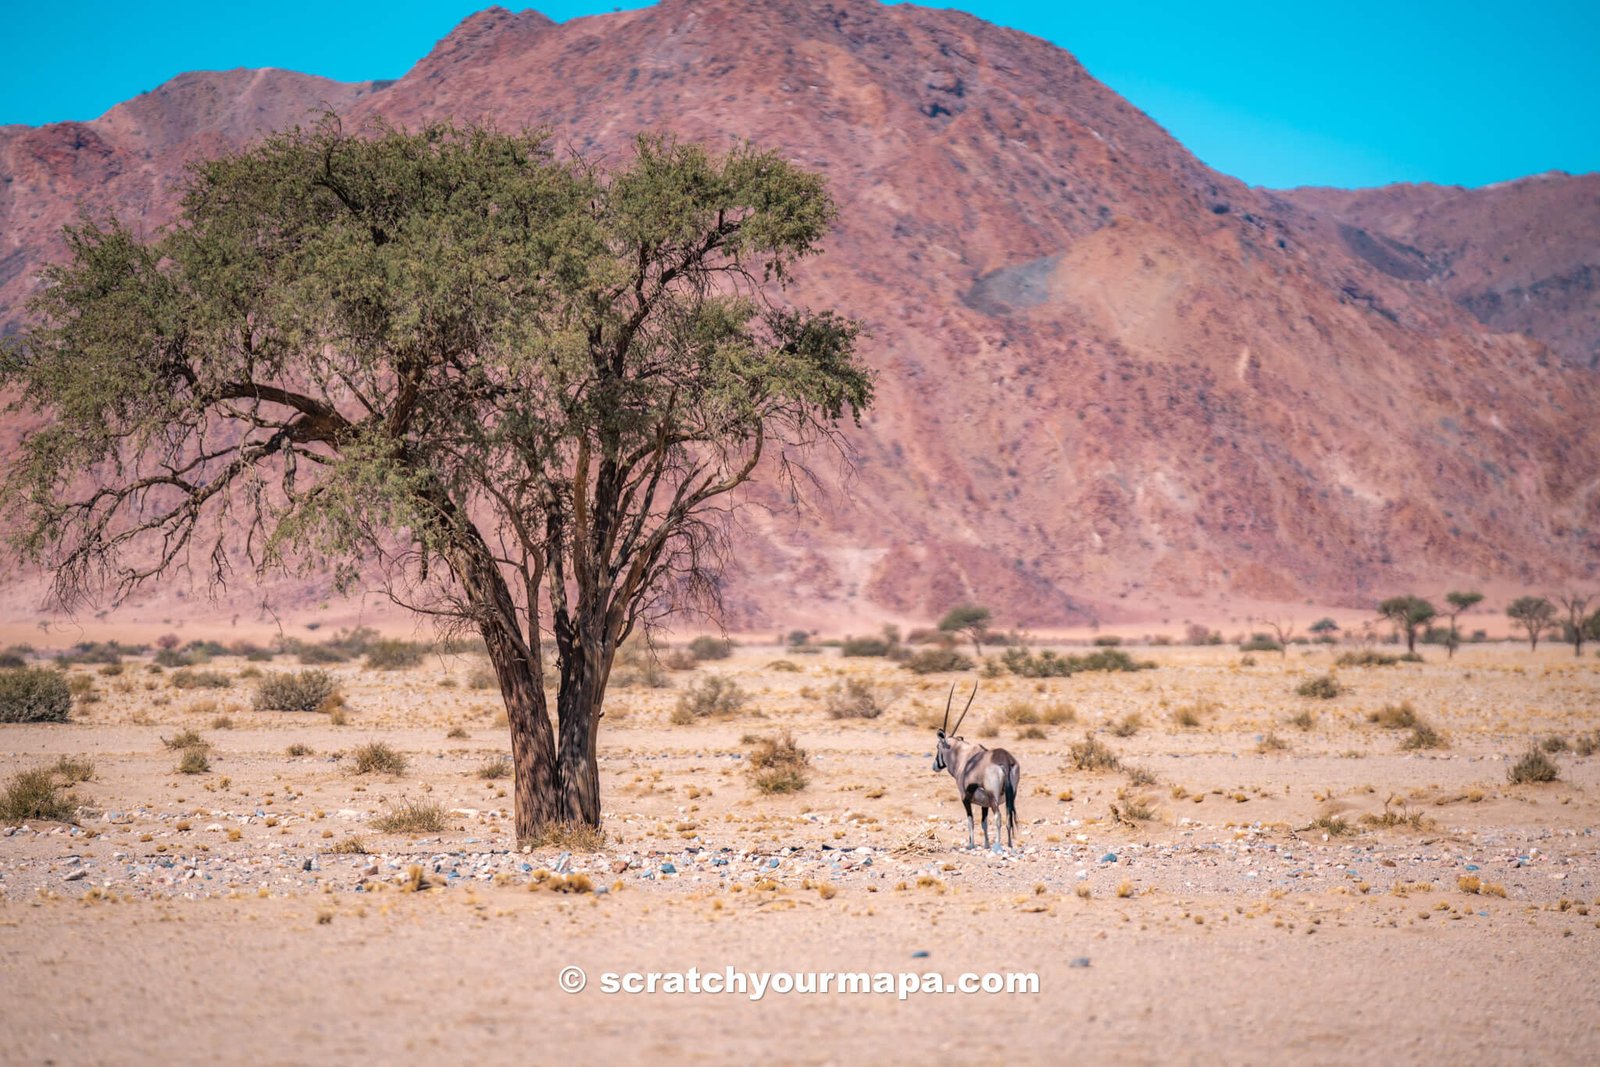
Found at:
[1112, 381]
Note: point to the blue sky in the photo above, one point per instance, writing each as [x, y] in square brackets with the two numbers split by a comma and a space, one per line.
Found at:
[1287, 93]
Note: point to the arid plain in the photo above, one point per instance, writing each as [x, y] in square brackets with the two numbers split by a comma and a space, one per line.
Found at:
[1262, 876]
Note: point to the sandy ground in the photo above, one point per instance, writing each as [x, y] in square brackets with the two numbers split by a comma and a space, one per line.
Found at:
[197, 918]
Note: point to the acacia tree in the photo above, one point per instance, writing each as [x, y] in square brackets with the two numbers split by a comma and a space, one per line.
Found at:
[1408, 614]
[1534, 614]
[1576, 605]
[969, 619]
[515, 388]
[1459, 604]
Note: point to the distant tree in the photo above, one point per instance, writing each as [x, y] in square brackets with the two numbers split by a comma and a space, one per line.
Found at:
[1459, 604]
[1283, 630]
[1408, 614]
[1324, 627]
[969, 619]
[1534, 614]
[1574, 626]
[513, 388]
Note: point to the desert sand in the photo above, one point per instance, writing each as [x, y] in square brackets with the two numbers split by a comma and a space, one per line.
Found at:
[1267, 878]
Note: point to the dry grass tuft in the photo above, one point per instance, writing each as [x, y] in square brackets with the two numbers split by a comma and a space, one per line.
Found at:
[493, 768]
[1401, 716]
[194, 761]
[376, 757]
[412, 817]
[350, 846]
[34, 794]
[1534, 766]
[1271, 743]
[1092, 754]
[569, 836]
[779, 765]
[1322, 687]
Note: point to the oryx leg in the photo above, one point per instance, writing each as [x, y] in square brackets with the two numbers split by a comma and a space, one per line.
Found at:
[986, 826]
[968, 805]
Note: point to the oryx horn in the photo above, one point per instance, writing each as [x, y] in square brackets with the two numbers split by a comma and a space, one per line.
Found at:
[964, 710]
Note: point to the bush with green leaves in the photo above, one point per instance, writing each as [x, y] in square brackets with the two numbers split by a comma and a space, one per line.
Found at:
[34, 694]
[937, 661]
[1050, 664]
[294, 690]
[864, 646]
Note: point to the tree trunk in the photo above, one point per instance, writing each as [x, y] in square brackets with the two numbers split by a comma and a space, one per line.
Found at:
[585, 668]
[533, 755]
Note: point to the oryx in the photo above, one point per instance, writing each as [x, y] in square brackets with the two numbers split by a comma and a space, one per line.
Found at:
[983, 775]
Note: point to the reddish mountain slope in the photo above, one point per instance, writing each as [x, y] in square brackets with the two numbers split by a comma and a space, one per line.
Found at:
[1111, 378]
[1521, 256]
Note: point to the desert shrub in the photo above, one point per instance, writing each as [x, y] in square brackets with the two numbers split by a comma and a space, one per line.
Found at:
[34, 694]
[1534, 766]
[1366, 657]
[298, 749]
[194, 761]
[390, 654]
[1049, 664]
[1303, 720]
[482, 676]
[707, 647]
[377, 757]
[1554, 743]
[1423, 735]
[784, 666]
[1128, 725]
[713, 696]
[778, 765]
[1322, 687]
[295, 690]
[350, 846]
[1192, 715]
[73, 769]
[1107, 641]
[320, 655]
[864, 646]
[1092, 754]
[494, 767]
[854, 698]
[679, 659]
[35, 794]
[1587, 744]
[1196, 634]
[1031, 733]
[1401, 716]
[638, 665]
[937, 661]
[96, 652]
[412, 817]
[1020, 713]
[188, 678]
[1271, 743]
[1411, 657]
[185, 739]
[172, 657]
[1260, 643]
[11, 661]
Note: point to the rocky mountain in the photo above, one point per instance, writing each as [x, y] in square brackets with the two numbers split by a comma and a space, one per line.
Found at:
[1113, 382]
[1521, 256]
